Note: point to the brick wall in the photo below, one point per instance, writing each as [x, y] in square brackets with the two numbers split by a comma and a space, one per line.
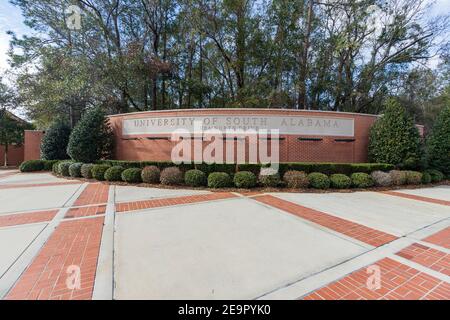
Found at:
[15, 155]
[32, 143]
[291, 148]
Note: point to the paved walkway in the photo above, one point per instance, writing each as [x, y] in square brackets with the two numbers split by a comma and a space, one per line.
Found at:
[64, 239]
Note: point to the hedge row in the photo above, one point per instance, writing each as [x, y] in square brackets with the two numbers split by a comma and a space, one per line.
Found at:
[323, 167]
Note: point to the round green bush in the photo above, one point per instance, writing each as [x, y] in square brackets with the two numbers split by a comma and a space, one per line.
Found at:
[114, 173]
[269, 177]
[75, 169]
[219, 180]
[398, 177]
[150, 174]
[296, 179]
[319, 180]
[171, 176]
[55, 140]
[48, 164]
[195, 178]
[86, 170]
[426, 178]
[63, 168]
[340, 181]
[32, 165]
[361, 180]
[55, 168]
[436, 175]
[245, 179]
[132, 175]
[413, 177]
[98, 171]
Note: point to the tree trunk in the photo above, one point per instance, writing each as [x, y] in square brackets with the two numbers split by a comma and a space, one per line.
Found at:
[5, 158]
[303, 66]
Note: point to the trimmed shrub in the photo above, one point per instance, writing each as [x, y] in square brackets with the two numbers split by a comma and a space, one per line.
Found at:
[426, 178]
[413, 177]
[319, 180]
[32, 165]
[98, 171]
[394, 138]
[150, 174]
[398, 177]
[171, 176]
[195, 178]
[436, 175]
[55, 140]
[438, 143]
[245, 179]
[132, 175]
[114, 173]
[48, 164]
[296, 179]
[63, 168]
[361, 180]
[55, 168]
[75, 169]
[92, 138]
[381, 179]
[269, 177]
[340, 181]
[219, 180]
[86, 170]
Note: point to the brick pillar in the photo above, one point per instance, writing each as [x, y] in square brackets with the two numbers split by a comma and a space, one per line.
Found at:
[32, 144]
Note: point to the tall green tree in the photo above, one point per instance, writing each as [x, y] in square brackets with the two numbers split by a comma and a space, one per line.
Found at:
[54, 143]
[438, 143]
[11, 132]
[394, 138]
[92, 138]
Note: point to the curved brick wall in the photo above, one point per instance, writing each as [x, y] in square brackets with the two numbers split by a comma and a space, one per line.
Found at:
[154, 145]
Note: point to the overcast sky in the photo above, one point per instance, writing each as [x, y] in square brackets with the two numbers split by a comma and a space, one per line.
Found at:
[11, 19]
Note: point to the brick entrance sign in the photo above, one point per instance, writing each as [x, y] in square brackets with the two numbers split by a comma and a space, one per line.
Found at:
[304, 136]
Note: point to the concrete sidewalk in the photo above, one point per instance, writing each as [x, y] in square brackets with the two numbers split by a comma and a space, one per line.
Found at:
[126, 242]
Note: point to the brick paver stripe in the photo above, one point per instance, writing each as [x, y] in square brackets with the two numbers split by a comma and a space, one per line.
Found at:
[441, 238]
[73, 243]
[354, 230]
[85, 211]
[34, 185]
[398, 282]
[428, 257]
[25, 218]
[156, 203]
[418, 198]
[95, 193]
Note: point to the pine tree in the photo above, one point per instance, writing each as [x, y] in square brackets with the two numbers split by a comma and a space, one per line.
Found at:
[55, 140]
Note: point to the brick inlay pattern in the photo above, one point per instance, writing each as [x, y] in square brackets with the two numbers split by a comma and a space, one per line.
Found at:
[398, 282]
[93, 194]
[34, 185]
[428, 257]
[354, 230]
[74, 242]
[442, 238]
[85, 211]
[156, 203]
[418, 198]
[25, 218]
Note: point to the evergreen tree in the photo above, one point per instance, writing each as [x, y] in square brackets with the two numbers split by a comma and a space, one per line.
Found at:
[54, 143]
[438, 143]
[394, 138]
[92, 138]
